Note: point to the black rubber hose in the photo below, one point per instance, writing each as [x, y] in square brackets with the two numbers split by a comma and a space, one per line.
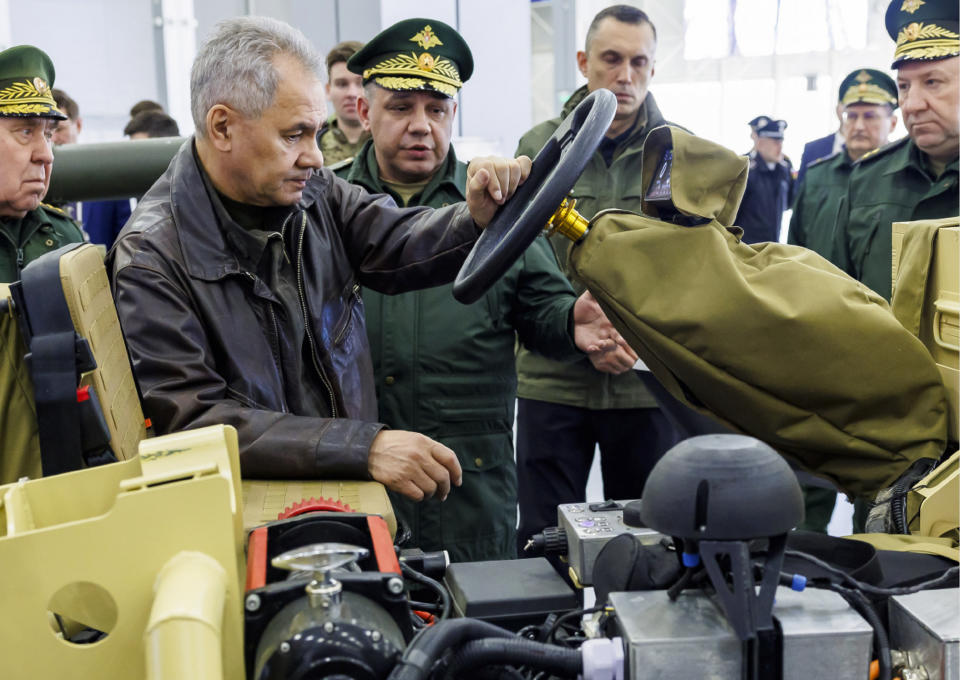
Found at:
[433, 584]
[862, 606]
[898, 505]
[423, 652]
[478, 654]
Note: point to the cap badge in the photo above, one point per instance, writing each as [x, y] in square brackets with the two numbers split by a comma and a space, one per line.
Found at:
[41, 86]
[426, 38]
[863, 78]
[425, 62]
[911, 6]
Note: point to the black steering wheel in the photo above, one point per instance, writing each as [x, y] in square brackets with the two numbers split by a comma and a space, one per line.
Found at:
[554, 172]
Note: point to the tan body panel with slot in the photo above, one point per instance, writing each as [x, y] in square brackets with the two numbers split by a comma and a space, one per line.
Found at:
[95, 545]
[939, 297]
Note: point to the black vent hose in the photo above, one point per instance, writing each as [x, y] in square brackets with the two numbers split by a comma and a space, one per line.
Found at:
[422, 653]
[477, 654]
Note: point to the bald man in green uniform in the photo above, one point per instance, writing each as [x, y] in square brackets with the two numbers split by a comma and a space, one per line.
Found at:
[28, 113]
[916, 177]
[442, 368]
[867, 98]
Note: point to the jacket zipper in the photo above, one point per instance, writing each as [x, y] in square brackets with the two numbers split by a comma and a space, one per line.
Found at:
[274, 340]
[347, 324]
[306, 319]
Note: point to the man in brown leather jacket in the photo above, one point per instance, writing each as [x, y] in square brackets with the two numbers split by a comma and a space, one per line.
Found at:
[236, 278]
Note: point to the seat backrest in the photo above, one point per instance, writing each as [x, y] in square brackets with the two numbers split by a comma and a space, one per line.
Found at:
[87, 292]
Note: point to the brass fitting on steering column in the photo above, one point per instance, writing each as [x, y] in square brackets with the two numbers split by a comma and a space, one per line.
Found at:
[567, 221]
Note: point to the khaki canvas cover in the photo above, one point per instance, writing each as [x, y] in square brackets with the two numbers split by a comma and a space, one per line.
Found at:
[769, 339]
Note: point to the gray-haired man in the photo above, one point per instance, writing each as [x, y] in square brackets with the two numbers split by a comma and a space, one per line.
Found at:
[236, 278]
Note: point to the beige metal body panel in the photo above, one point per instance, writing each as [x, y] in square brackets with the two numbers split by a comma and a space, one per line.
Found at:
[96, 557]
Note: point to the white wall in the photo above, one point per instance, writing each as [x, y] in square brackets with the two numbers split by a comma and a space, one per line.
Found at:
[103, 52]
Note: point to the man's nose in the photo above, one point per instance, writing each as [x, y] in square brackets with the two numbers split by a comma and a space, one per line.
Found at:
[419, 122]
[43, 150]
[312, 156]
[912, 100]
[625, 73]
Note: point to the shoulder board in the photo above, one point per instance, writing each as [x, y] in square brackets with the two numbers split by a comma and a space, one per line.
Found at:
[345, 163]
[55, 209]
[826, 158]
[883, 150]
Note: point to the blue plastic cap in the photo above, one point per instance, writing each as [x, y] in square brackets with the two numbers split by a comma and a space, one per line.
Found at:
[691, 560]
[799, 582]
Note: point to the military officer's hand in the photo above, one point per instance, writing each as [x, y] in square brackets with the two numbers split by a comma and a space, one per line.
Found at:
[413, 464]
[491, 180]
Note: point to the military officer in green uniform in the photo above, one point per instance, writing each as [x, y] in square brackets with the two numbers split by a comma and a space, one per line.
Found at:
[28, 113]
[916, 177]
[442, 368]
[867, 99]
[343, 133]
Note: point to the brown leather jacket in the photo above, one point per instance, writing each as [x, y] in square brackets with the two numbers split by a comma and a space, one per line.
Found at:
[201, 330]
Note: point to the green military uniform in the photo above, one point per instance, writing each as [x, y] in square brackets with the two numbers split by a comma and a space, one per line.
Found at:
[599, 187]
[892, 184]
[446, 369]
[818, 204]
[25, 239]
[896, 183]
[26, 76]
[335, 145]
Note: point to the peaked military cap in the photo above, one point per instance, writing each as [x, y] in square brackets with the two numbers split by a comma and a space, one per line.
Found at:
[765, 126]
[26, 76]
[415, 54]
[924, 30]
[868, 86]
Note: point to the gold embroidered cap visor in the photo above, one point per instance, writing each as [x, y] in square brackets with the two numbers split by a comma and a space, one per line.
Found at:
[26, 76]
[924, 30]
[868, 86]
[415, 54]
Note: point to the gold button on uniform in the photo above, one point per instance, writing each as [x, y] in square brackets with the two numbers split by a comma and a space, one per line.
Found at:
[478, 461]
[49, 242]
[389, 380]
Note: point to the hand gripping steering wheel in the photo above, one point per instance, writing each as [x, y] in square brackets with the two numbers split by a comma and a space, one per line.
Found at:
[554, 172]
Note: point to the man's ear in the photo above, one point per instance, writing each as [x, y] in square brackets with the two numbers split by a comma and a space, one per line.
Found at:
[893, 122]
[79, 125]
[363, 111]
[220, 120]
[582, 62]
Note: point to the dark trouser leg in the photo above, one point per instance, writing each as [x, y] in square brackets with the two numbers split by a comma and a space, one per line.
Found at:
[818, 504]
[861, 508]
[555, 446]
[631, 443]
